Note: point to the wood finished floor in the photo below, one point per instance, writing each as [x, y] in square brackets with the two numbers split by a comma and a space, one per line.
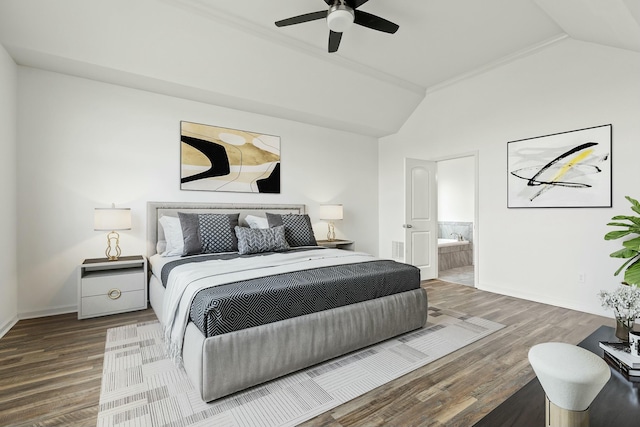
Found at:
[51, 368]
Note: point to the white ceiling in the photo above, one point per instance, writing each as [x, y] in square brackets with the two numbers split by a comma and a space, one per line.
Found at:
[230, 53]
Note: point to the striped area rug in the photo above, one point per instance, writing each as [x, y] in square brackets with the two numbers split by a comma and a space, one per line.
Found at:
[140, 387]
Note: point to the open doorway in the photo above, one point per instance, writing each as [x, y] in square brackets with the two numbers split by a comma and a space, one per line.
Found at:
[457, 219]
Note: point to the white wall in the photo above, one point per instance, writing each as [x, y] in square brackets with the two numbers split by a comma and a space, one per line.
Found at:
[84, 144]
[537, 254]
[456, 189]
[8, 186]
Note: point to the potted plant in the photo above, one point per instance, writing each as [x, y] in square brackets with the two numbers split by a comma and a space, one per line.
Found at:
[625, 301]
[631, 248]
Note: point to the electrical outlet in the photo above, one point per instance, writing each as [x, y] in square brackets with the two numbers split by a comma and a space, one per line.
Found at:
[581, 277]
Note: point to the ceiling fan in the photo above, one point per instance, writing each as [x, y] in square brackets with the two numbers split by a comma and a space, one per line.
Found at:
[340, 16]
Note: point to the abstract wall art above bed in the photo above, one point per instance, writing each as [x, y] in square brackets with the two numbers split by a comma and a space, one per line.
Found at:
[563, 170]
[214, 158]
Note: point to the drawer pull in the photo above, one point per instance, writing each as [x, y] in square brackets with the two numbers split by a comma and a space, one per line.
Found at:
[114, 293]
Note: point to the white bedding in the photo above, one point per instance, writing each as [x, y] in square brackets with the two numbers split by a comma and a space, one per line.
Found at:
[186, 280]
[158, 261]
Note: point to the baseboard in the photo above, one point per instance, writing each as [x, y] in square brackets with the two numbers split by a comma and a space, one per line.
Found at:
[8, 325]
[557, 302]
[35, 314]
[54, 311]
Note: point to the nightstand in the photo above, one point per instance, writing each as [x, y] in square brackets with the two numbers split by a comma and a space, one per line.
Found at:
[110, 287]
[338, 244]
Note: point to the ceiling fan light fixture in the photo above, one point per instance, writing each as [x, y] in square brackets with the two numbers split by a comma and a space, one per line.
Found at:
[340, 18]
[342, 14]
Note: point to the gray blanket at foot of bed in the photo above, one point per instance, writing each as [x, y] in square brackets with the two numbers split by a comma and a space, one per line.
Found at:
[240, 305]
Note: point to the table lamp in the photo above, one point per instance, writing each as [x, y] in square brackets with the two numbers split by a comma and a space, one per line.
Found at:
[331, 213]
[112, 219]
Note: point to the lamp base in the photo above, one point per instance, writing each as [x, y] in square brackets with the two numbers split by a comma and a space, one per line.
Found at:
[331, 234]
[113, 242]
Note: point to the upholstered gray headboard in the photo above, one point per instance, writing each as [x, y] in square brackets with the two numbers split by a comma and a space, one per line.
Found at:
[155, 210]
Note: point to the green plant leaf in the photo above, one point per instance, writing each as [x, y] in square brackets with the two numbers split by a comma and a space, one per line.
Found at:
[622, 266]
[619, 224]
[612, 235]
[632, 275]
[634, 219]
[634, 204]
[632, 244]
[624, 253]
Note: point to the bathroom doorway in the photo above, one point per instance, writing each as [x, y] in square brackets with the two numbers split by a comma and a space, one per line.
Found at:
[457, 219]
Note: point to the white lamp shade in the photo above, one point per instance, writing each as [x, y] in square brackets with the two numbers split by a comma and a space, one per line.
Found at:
[331, 212]
[110, 219]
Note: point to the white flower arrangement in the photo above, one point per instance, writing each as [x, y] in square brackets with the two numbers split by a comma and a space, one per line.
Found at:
[624, 301]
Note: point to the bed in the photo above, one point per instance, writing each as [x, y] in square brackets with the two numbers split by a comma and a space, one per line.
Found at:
[222, 358]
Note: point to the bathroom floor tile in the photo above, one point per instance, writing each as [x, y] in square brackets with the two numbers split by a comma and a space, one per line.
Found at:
[460, 275]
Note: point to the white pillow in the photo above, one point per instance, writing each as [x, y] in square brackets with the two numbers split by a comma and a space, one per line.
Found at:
[256, 221]
[173, 235]
[161, 246]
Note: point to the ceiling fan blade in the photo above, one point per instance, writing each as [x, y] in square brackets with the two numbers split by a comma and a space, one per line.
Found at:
[356, 3]
[313, 16]
[375, 22]
[334, 41]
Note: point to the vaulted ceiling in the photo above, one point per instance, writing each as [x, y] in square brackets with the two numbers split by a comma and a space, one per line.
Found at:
[230, 53]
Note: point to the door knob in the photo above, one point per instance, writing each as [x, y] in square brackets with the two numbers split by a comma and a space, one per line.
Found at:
[407, 226]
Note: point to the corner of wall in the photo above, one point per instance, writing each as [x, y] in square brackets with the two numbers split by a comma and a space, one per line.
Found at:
[6, 327]
[8, 191]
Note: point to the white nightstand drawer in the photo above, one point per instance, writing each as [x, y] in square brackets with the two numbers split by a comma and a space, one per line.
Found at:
[101, 282]
[101, 304]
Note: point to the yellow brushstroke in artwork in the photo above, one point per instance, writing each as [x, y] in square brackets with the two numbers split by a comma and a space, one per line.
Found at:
[571, 163]
[563, 170]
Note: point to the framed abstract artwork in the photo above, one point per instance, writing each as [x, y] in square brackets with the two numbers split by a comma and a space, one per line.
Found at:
[562, 170]
[214, 158]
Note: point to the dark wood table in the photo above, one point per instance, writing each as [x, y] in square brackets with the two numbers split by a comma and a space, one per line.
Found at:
[618, 404]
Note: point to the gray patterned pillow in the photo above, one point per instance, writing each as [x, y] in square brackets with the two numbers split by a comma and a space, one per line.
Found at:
[297, 228]
[256, 240]
[208, 233]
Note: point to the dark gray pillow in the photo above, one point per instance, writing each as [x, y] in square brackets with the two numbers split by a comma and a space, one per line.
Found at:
[208, 233]
[256, 240]
[297, 228]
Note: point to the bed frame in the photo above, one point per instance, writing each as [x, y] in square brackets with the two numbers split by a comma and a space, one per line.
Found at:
[224, 364]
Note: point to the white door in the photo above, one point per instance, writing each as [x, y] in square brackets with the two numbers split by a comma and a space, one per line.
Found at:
[421, 222]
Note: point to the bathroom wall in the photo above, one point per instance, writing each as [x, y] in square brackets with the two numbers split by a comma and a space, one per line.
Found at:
[456, 197]
[450, 230]
[456, 189]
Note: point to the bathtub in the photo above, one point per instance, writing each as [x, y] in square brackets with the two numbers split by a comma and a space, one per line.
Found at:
[451, 242]
[453, 253]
